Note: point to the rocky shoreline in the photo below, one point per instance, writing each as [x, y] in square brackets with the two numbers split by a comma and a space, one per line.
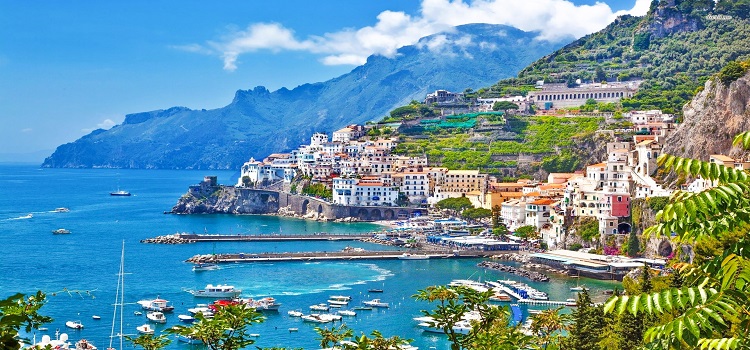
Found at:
[532, 275]
[167, 239]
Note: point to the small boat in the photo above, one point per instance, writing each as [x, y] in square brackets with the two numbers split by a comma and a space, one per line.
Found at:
[363, 308]
[137, 313]
[375, 290]
[120, 193]
[157, 304]
[188, 339]
[200, 308]
[294, 313]
[337, 302]
[409, 256]
[578, 289]
[263, 304]
[293, 330]
[254, 335]
[346, 313]
[217, 291]
[29, 216]
[96, 317]
[61, 210]
[61, 231]
[316, 318]
[501, 297]
[571, 302]
[205, 267]
[376, 303]
[156, 316]
[84, 344]
[320, 307]
[145, 329]
[609, 292]
[43, 329]
[186, 318]
[74, 324]
[340, 297]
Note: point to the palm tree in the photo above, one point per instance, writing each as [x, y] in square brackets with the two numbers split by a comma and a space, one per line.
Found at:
[711, 309]
[549, 325]
[149, 341]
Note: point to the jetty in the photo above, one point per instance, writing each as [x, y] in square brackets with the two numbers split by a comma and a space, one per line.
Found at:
[337, 255]
[184, 238]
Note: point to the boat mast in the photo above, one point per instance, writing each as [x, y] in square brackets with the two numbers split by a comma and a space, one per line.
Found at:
[119, 299]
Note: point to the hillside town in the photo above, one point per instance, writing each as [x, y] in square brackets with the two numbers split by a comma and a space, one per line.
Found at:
[360, 170]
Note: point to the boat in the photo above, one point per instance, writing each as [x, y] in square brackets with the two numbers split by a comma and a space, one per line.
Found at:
[145, 329]
[119, 304]
[120, 193]
[157, 304]
[346, 313]
[205, 267]
[186, 318]
[28, 216]
[293, 329]
[217, 291]
[61, 210]
[578, 289]
[263, 304]
[338, 303]
[60, 342]
[137, 313]
[375, 290]
[84, 344]
[96, 317]
[362, 308]
[316, 318]
[254, 335]
[74, 324]
[320, 307]
[200, 308]
[501, 297]
[376, 303]
[188, 339]
[571, 302]
[61, 231]
[340, 297]
[409, 256]
[294, 313]
[460, 327]
[156, 316]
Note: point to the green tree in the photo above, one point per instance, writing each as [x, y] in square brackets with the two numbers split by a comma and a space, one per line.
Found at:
[527, 232]
[227, 330]
[476, 213]
[709, 308]
[149, 341]
[19, 311]
[601, 76]
[333, 336]
[632, 326]
[457, 205]
[732, 71]
[588, 322]
[634, 244]
[550, 325]
[504, 106]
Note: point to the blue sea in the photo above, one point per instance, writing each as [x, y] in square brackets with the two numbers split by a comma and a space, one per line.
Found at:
[79, 271]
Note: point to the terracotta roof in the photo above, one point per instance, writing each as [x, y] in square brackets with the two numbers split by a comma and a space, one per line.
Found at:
[598, 165]
[543, 202]
[645, 143]
[533, 194]
[370, 184]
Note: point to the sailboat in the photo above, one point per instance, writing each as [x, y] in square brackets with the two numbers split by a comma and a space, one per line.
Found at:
[578, 287]
[119, 302]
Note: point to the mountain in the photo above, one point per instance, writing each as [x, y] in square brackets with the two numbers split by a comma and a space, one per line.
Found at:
[258, 122]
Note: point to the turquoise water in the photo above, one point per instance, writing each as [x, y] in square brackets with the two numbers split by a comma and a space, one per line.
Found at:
[86, 261]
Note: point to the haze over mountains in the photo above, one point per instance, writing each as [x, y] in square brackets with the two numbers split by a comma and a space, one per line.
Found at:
[259, 122]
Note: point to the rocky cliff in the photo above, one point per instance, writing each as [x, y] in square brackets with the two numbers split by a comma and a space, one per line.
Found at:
[712, 119]
[227, 200]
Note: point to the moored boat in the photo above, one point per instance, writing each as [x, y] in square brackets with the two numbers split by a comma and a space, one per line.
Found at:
[346, 313]
[61, 231]
[120, 193]
[263, 304]
[375, 290]
[186, 318]
[217, 291]
[205, 267]
[376, 303]
[156, 316]
[74, 324]
[409, 256]
[188, 339]
[145, 329]
[294, 313]
[319, 307]
[84, 344]
[365, 308]
[60, 342]
[157, 304]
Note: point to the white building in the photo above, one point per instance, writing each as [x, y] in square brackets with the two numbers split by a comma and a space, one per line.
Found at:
[358, 192]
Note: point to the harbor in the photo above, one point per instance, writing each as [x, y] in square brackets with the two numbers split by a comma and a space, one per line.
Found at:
[332, 256]
[184, 238]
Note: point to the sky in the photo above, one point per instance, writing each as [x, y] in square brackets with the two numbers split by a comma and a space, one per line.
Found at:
[70, 67]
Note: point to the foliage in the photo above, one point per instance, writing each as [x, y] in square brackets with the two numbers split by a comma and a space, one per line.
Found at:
[588, 321]
[20, 312]
[549, 325]
[227, 330]
[707, 309]
[318, 190]
[458, 204]
[634, 245]
[657, 203]
[334, 336]
[732, 71]
[587, 228]
[504, 106]
[526, 232]
[476, 213]
[565, 162]
[149, 341]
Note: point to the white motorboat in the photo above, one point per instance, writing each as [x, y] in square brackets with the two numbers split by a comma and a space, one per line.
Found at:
[186, 318]
[578, 289]
[294, 313]
[200, 308]
[340, 297]
[337, 302]
[145, 329]
[61, 231]
[96, 317]
[461, 327]
[60, 342]
[84, 344]
[346, 313]
[217, 291]
[61, 210]
[156, 316]
[205, 267]
[74, 324]
[263, 304]
[188, 339]
[120, 193]
[409, 256]
[157, 304]
[375, 303]
[320, 307]
[316, 318]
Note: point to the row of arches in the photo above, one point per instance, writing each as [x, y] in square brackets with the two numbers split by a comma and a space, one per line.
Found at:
[580, 96]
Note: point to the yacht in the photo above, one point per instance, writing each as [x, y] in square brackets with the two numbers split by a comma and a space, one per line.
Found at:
[294, 313]
[60, 342]
[120, 193]
[157, 304]
[145, 329]
[74, 324]
[316, 318]
[375, 303]
[409, 256]
[346, 313]
[320, 307]
[263, 304]
[186, 318]
[217, 291]
[156, 316]
[205, 267]
[84, 344]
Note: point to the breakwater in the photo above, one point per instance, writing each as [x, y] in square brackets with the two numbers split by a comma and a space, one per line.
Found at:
[534, 276]
[182, 238]
[318, 256]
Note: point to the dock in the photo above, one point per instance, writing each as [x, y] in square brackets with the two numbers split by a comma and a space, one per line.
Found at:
[329, 256]
[182, 238]
[545, 302]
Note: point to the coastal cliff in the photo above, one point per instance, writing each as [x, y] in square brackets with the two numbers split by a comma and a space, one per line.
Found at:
[712, 119]
[227, 200]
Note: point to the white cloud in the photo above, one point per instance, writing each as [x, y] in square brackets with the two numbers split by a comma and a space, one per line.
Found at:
[105, 124]
[554, 19]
